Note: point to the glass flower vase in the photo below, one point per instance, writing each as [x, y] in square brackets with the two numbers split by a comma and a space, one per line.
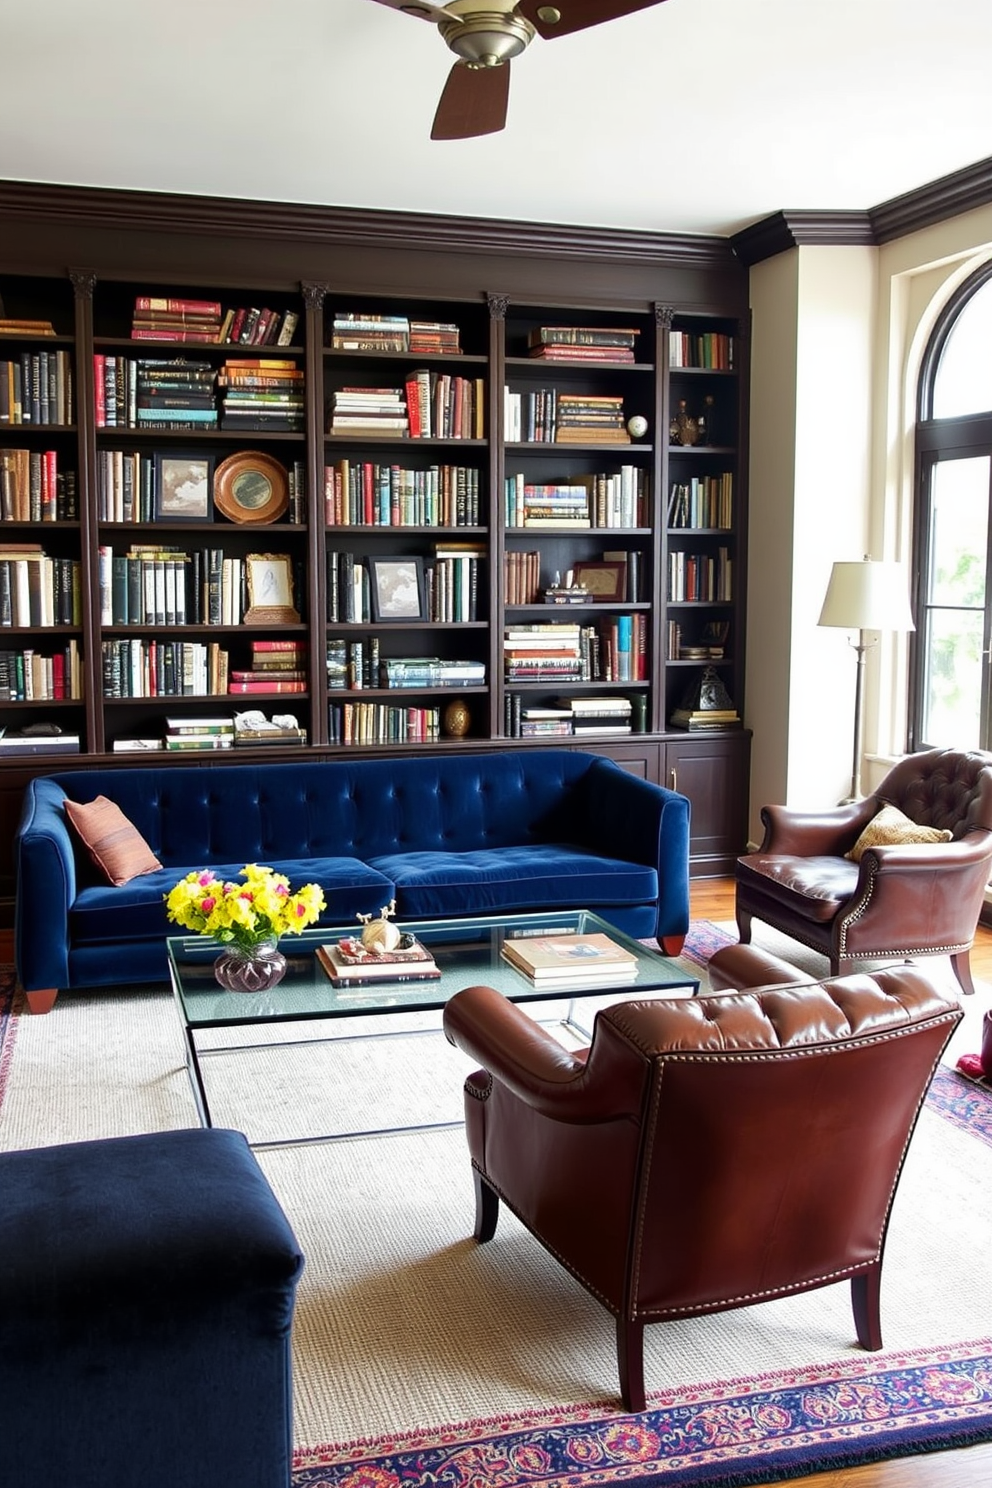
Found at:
[257, 969]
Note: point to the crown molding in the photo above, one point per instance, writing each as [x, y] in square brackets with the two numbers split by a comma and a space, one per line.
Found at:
[154, 211]
[962, 191]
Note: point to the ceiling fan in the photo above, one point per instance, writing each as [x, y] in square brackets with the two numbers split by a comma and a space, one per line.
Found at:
[485, 35]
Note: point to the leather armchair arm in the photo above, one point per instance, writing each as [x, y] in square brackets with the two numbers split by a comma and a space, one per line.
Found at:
[925, 895]
[523, 1056]
[816, 834]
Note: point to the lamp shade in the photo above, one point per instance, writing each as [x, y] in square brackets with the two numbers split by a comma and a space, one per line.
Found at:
[870, 595]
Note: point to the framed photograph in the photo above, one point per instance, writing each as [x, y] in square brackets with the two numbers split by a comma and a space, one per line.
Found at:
[183, 486]
[606, 582]
[396, 589]
[251, 487]
[270, 590]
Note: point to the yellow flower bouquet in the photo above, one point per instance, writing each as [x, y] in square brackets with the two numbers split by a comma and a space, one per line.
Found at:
[251, 914]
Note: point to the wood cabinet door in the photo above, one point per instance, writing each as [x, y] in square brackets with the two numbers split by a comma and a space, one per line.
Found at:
[713, 771]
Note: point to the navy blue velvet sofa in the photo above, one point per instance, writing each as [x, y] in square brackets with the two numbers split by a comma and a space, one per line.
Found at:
[462, 834]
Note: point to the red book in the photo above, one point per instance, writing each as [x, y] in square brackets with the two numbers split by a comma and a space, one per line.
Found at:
[238, 324]
[278, 645]
[99, 375]
[267, 686]
[205, 338]
[178, 307]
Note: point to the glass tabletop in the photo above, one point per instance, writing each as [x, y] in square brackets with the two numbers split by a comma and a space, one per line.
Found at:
[467, 951]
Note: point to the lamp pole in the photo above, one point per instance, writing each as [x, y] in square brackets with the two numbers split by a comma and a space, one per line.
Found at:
[860, 646]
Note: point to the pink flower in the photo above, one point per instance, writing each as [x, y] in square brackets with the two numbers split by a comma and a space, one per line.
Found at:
[300, 910]
[206, 877]
[282, 891]
[207, 905]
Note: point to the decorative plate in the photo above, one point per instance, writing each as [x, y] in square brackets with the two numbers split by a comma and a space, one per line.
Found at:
[251, 487]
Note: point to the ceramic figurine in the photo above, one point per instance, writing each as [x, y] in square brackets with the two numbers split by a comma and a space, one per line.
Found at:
[382, 934]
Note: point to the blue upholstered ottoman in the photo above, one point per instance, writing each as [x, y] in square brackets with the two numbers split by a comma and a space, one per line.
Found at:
[147, 1287]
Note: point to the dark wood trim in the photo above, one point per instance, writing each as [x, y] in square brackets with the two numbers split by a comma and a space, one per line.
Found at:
[152, 211]
[962, 191]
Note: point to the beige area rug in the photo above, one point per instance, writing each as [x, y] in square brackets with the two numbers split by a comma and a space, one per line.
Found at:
[402, 1321]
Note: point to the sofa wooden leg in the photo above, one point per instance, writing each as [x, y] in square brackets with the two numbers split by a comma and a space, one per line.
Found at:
[961, 964]
[672, 944]
[486, 1208]
[43, 1001]
[866, 1292]
[630, 1360]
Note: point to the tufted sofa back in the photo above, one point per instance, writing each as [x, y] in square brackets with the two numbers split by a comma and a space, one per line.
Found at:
[945, 788]
[250, 813]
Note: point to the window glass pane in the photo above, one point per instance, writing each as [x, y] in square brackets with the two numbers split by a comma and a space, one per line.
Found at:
[954, 621]
[963, 382]
[952, 686]
[958, 532]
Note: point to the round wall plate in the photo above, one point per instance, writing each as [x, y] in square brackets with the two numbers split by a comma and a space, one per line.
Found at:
[251, 487]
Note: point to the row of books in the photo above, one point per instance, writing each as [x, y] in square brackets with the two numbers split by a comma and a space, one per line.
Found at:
[710, 645]
[358, 331]
[152, 393]
[38, 590]
[449, 581]
[547, 416]
[713, 349]
[133, 667]
[364, 493]
[34, 489]
[546, 504]
[582, 343]
[428, 406]
[704, 501]
[156, 584]
[382, 723]
[355, 665]
[128, 487]
[27, 675]
[38, 388]
[612, 650]
[574, 717]
[700, 576]
[157, 318]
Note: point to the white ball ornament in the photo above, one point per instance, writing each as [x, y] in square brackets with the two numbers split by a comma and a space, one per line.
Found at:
[637, 426]
[381, 935]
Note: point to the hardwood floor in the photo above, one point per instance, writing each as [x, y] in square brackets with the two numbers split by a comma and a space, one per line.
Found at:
[713, 899]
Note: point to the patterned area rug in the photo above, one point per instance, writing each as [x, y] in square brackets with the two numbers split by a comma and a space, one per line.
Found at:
[8, 1025]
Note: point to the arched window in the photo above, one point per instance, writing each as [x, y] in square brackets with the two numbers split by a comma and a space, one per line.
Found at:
[951, 702]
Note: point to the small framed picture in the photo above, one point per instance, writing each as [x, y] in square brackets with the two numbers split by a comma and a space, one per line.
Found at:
[270, 590]
[396, 589]
[183, 487]
[606, 582]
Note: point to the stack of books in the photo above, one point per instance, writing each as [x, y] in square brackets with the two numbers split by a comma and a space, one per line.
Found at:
[194, 734]
[542, 723]
[599, 715]
[543, 652]
[173, 395]
[350, 964]
[254, 731]
[431, 671]
[435, 337]
[276, 666]
[158, 319]
[24, 742]
[582, 343]
[367, 332]
[548, 505]
[587, 418]
[12, 325]
[560, 960]
[700, 719]
[262, 393]
[378, 411]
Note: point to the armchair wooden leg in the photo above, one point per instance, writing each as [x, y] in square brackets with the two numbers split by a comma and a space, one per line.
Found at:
[961, 964]
[486, 1208]
[630, 1360]
[743, 925]
[866, 1292]
[42, 1001]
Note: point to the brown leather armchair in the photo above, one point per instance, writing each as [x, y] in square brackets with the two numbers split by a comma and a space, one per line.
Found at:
[705, 1153]
[922, 899]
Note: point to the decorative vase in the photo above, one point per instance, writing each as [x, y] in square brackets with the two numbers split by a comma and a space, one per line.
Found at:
[255, 970]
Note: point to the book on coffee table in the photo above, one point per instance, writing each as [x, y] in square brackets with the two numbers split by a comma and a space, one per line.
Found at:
[346, 967]
[569, 958]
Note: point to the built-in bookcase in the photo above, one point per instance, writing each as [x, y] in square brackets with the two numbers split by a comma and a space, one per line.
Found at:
[486, 525]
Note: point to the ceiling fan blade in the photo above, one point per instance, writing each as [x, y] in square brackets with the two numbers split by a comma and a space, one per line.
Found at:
[474, 101]
[422, 10]
[576, 15]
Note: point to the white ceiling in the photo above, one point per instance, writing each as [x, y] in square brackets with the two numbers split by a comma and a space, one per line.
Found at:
[697, 116]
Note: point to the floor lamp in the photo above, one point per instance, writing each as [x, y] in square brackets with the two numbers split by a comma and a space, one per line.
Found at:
[871, 595]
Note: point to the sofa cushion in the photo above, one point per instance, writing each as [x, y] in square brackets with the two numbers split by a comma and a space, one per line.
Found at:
[114, 843]
[441, 884]
[136, 910]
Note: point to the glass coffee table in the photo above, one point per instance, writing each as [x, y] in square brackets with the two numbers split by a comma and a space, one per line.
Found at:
[467, 952]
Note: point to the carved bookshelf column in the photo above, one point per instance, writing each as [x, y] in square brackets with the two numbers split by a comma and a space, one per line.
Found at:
[83, 287]
[496, 434]
[313, 300]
